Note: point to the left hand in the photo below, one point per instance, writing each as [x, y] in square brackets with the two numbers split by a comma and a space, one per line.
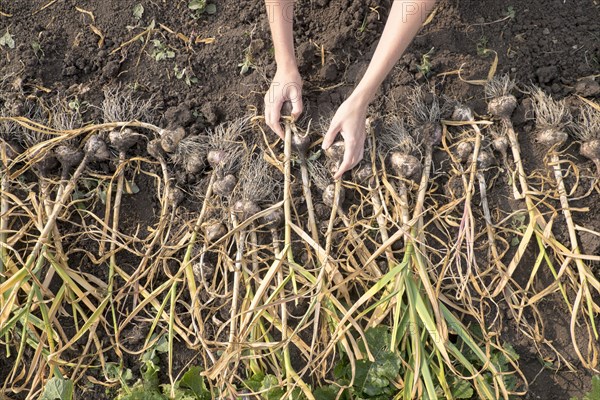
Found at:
[349, 120]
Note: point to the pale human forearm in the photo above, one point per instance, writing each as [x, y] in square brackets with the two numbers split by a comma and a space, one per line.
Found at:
[404, 21]
[280, 14]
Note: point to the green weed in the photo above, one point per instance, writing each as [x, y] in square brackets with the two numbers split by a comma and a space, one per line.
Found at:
[7, 40]
[161, 51]
[191, 386]
[186, 75]
[200, 7]
[593, 394]
[425, 66]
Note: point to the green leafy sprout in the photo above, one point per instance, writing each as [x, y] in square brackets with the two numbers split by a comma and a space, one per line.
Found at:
[199, 7]
[161, 51]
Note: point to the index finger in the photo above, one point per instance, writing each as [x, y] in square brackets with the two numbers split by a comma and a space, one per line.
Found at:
[349, 160]
[272, 116]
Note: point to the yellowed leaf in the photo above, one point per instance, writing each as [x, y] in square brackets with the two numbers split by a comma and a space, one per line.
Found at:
[204, 40]
[99, 33]
[590, 103]
[89, 13]
[430, 17]
[183, 37]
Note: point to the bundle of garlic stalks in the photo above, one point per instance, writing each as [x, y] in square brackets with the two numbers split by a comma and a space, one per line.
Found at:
[250, 254]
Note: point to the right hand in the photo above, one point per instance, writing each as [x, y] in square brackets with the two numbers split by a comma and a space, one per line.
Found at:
[286, 86]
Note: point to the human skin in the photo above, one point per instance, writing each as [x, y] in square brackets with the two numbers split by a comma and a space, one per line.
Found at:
[403, 23]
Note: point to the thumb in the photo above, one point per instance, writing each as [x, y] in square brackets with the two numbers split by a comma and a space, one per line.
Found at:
[330, 136]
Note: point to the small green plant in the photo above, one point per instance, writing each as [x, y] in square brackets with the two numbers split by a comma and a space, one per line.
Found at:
[58, 389]
[191, 386]
[594, 393]
[200, 7]
[376, 379]
[138, 11]
[248, 62]
[269, 387]
[116, 372]
[37, 50]
[518, 223]
[186, 75]
[161, 51]
[7, 40]
[363, 26]
[425, 66]
[373, 379]
[482, 49]
[510, 12]
[75, 104]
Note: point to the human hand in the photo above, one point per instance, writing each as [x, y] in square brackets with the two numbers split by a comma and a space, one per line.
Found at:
[286, 86]
[349, 120]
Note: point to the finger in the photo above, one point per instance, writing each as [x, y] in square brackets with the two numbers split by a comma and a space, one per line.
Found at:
[330, 135]
[349, 161]
[296, 107]
[344, 166]
[273, 119]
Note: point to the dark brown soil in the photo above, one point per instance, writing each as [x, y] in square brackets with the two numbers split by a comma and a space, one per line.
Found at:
[554, 44]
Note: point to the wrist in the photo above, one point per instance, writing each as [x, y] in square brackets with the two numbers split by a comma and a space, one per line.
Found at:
[287, 65]
[362, 96]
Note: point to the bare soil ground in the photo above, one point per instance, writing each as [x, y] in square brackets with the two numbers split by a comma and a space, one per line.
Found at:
[77, 48]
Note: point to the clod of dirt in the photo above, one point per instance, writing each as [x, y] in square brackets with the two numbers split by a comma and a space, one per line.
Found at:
[246, 209]
[203, 271]
[123, 139]
[171, 138]
[97, 149]
[406, 166]
[503, 106]
[110, 70]
[194, 164]
[462, 113]
[68, 156]
[363, 175]
[274, 219]
[547, 74]
[210, 113]
[551, 137]
[176, 196]
[485, 160]
[464, 151]
[329, 195]
[214, 232]
[335, 152]
[591, 150]
[47, 164]
[432, 133]
[322, 212]
[155, 149]
[224, 186]
[500, 144]
[180, 115]
[13, 150]
[454, 188]
[587, 87]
